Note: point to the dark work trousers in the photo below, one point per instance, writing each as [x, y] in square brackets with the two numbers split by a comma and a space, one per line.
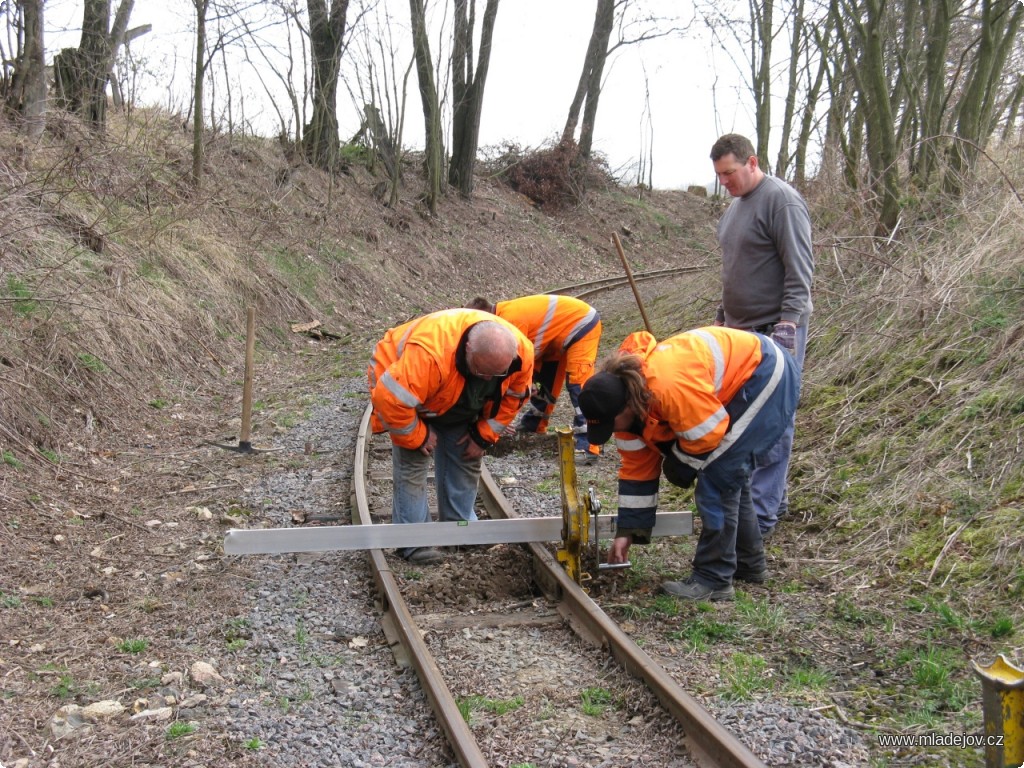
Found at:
[736, 545]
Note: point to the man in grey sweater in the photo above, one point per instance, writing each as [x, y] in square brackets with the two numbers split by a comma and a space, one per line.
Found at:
[767, 270]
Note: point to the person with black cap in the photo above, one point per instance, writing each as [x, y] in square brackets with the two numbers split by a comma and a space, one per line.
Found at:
[698, 407]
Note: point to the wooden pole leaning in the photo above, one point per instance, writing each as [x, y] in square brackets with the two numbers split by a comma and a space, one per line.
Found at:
[632, 283]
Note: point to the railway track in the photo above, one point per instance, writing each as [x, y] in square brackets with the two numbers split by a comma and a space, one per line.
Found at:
[562, 605]
[519, 666]
[594, 287]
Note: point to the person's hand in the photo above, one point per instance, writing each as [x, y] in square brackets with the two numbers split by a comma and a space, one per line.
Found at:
[784, 334]
[472, 450]
[427, 449]
[618, 552]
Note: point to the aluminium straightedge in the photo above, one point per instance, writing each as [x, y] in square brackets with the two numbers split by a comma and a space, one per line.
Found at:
[341, 537]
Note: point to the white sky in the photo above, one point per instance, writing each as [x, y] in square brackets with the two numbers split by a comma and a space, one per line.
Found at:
[535, 65]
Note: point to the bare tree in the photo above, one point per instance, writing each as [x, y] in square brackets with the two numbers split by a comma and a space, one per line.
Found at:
[25, 92]
[433, 160]
[589, 87]
[201, 7]
[634, 28]
[998, 25]
[468, 90]
[381, 90]
[762, 37]
[284, 56]
[81, 74]
[327, 37]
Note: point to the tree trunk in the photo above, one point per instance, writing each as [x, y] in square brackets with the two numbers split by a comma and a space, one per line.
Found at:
[118, 35]
[468, 92]
[197, 105]
[760, 71]
[796, 45]
[81, 74]
[808, 117]
[604, 21]
[939, 14]
[997, 30]
[870, 75]
[433, 160]
[26, 96]
[321, 142]
[589, 87]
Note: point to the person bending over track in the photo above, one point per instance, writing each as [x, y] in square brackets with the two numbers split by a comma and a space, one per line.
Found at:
[565, 332]
[699, 406]
[445, 385]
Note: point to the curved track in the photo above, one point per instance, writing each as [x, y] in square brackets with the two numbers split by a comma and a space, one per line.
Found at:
[708, 743]
[592, 287]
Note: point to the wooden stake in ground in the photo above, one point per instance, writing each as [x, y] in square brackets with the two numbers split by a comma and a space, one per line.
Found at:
[244, 446]
[250, 354]
[632, 283]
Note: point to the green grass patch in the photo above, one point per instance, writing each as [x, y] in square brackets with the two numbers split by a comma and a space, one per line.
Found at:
[499, 707]
[25, 304]
[133, 645]
[66, 687]
[701, 632]
[744, 676]
[802, 679]
[180, 729]
[766, 617]
[934, 676]
[91, 362]
[596, 701]
[300, 271]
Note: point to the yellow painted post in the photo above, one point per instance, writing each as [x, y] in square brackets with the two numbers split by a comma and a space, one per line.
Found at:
[1002, 696]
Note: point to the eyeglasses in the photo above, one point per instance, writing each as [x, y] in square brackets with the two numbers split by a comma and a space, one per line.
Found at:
[482, 374]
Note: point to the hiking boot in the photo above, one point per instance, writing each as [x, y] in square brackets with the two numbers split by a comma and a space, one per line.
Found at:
[751, 577]
[767, 533]
[691, 589]
[425, 556]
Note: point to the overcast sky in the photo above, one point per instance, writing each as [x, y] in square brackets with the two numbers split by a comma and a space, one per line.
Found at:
[535, 65]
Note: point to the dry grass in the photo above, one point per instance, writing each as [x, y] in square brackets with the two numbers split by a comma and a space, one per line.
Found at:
[915, 400]
[123, 293]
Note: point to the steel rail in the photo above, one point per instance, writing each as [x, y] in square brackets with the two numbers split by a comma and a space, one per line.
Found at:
[609, 283]
[455, 727]
[708, 742]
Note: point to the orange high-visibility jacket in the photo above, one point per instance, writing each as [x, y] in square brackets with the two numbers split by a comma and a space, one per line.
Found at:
[551, 322]
[414, 375]
[692, 381]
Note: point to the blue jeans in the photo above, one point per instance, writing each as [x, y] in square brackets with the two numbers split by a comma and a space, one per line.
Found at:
[768, 480]
[737, 544]
[455, 478]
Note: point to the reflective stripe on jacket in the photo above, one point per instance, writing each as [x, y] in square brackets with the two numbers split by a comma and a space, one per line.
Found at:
[418, 372]
[550, 321]
[720, 397]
